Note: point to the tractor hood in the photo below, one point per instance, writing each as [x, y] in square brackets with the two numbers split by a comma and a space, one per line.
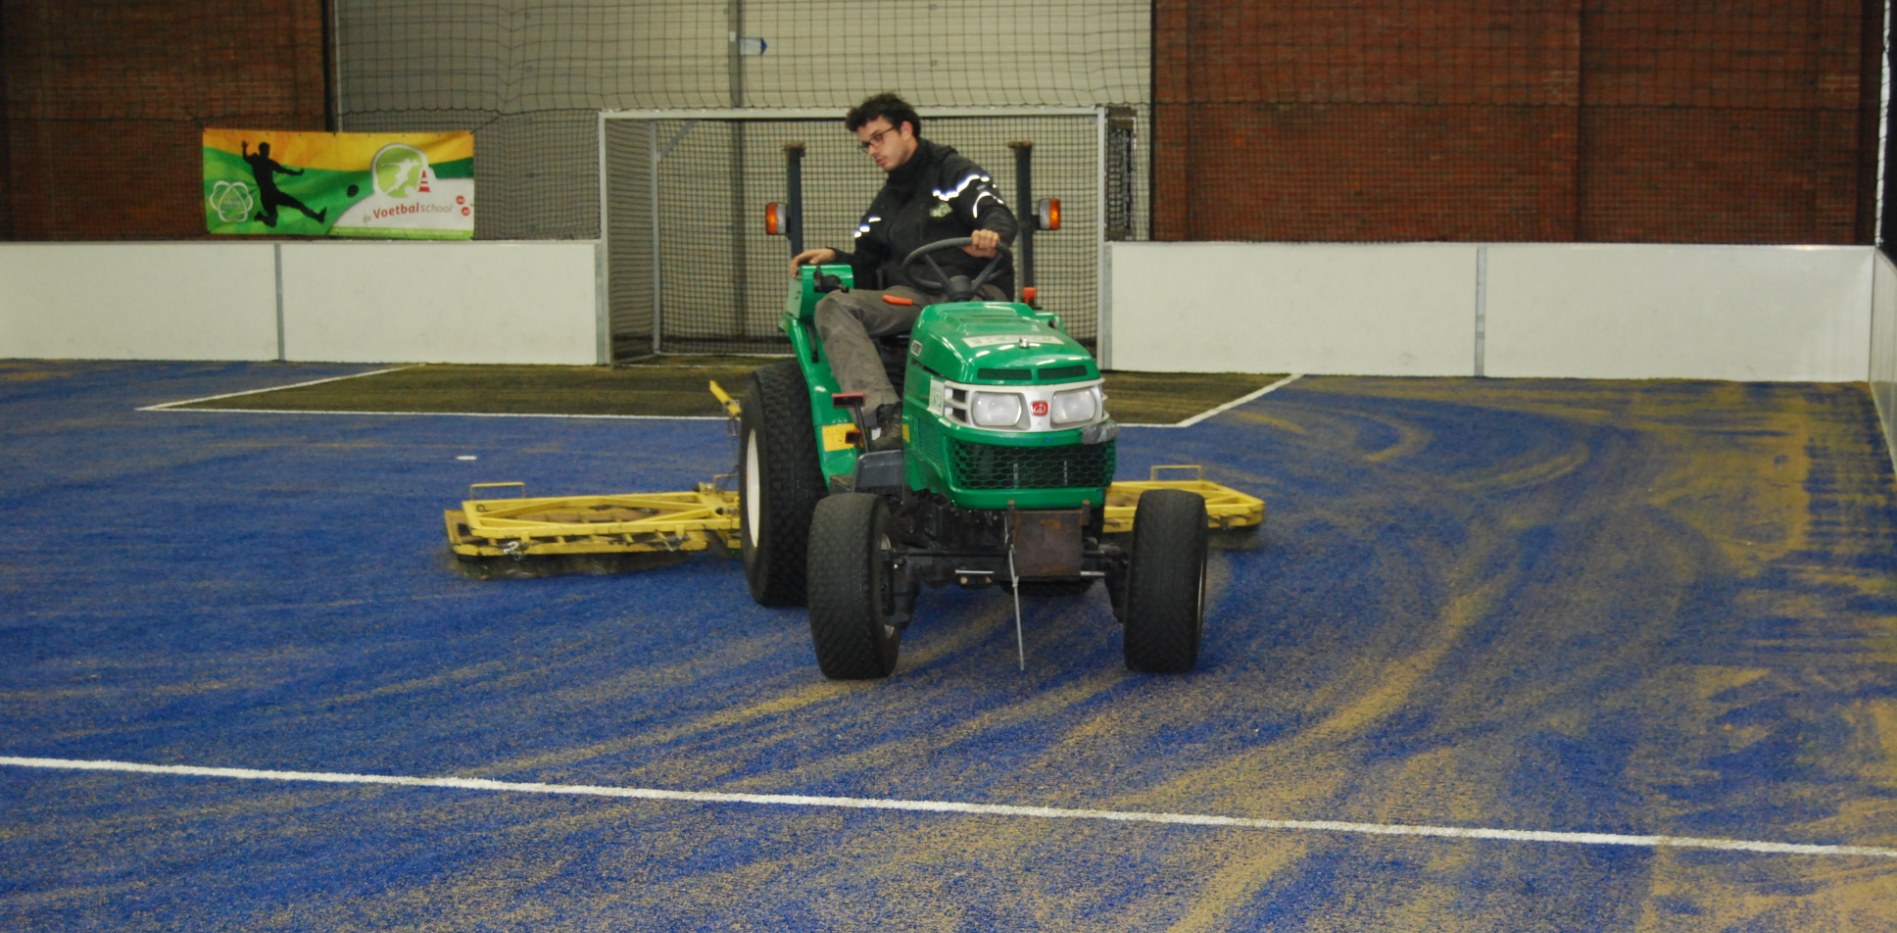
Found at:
[994, 342]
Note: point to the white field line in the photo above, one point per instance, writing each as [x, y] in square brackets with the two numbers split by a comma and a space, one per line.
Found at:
[167, 406]
[182, 406]
[179, 406]
[427, 414]
[1234, 403]
[970, 809]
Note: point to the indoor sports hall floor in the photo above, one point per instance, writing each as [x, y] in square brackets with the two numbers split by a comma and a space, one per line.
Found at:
[1508, 655]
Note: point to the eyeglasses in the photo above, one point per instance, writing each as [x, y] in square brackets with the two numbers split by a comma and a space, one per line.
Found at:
[876, 138]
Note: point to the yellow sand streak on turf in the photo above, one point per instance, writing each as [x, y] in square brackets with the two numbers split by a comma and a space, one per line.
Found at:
[14, 373]
[797, 698]
[1398, 680]
[474, 674]
[947, 646]
[1228, 889]
[800, 689]
[1439, 899]
[1046, 705]
[1306, 772]
[946, 640]
[1268, 420]
[1882, 732]
[1410, 439]
[1746, 496]
[1520, 474]
[1689, 891]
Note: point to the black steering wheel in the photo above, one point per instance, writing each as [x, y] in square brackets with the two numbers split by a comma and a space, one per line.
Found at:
[955, 287]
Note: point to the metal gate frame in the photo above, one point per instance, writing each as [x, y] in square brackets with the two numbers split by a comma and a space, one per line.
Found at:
[656, 154]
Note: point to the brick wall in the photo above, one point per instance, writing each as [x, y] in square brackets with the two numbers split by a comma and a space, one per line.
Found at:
[1747, 121]
[105, 103]
[1461, 120]
[6, 136]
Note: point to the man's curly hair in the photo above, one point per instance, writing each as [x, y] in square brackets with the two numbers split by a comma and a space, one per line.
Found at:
[886, 105]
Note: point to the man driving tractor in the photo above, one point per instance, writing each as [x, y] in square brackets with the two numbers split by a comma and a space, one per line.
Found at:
[931, 193]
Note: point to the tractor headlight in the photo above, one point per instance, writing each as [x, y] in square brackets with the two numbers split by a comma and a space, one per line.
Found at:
[1076, 406]
[997, 410]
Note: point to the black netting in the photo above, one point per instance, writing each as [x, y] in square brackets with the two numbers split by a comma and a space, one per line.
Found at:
[1745, 121]
[687, 249]
[526, 76]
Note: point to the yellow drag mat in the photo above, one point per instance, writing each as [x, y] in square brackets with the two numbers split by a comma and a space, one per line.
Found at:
[631, 523]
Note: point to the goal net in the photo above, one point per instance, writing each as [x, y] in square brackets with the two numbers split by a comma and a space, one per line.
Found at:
[691, 269]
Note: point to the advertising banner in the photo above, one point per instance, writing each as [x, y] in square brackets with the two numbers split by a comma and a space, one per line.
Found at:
[407, 185]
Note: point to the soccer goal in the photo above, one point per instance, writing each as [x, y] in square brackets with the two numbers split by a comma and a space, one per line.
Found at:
[691, 269]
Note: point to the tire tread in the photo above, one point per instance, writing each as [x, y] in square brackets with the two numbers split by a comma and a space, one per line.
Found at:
[845, 617]
[787, 444]
[1163, 601]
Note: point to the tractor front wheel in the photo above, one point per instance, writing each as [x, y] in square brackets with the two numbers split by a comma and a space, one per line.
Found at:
[782, 481]
[854, 612]
[1165, 582]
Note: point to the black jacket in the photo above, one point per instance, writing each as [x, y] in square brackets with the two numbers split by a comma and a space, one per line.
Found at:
[937, 195]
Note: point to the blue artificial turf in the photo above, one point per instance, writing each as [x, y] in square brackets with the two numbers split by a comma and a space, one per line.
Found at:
[1566, 606]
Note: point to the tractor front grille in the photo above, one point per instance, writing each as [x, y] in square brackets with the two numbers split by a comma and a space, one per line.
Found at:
[994, 467]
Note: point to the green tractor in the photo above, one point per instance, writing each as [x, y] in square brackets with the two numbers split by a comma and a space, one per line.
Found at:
[1002, 480]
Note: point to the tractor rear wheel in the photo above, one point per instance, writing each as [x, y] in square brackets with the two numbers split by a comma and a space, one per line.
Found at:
[853, 598]
[1165, 582]
[782, 481]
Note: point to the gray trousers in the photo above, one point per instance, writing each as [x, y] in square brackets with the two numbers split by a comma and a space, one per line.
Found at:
[848, 322]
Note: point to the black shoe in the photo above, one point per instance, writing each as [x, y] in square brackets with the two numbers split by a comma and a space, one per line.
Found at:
[887, 435]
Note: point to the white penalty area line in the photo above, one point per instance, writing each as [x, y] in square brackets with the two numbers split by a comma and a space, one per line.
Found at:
[437, 414]
[964, 809]
[184, 405]
[169, 406]
[1228, 406]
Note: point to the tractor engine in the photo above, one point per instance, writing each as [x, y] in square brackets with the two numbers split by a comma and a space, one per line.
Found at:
[1005, 411]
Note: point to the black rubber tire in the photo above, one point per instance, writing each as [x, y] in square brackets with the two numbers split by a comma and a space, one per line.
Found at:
[850, 588]
[1116, 593]
[780, 481]
[1165, 585]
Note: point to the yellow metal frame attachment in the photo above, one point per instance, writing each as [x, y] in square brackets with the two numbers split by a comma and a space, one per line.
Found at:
[1225, 508]
[669, 522]
[631, 523]
[724, 398]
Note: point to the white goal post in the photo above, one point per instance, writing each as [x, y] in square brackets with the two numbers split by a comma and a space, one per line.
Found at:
[688, 268]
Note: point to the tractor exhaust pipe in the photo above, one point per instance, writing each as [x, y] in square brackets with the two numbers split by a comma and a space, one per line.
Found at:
[1024, 196]
[794, 206]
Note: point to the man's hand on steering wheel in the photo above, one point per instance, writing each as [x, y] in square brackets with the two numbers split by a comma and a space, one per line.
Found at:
[982, 243]
[815, 257]
[922, 271]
